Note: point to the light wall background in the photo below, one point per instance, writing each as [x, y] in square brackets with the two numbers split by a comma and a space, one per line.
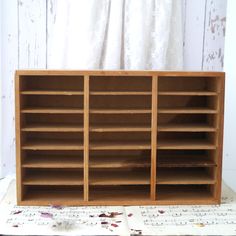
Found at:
[25, 27]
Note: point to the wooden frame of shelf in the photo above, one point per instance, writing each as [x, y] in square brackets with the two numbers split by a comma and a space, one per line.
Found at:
[118, 137]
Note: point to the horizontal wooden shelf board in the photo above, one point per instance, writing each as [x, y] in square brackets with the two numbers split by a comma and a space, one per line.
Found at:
[54, 178]
[53, 128]
[121, 128]
[51, 92]
[119, 146]
[186, 128]
[53, 110]
[53, 162]
[184, 176]
[50, 145]
[188, 110]
[188, 93]
[119, 178]
[119, 162]
[120, 111]
[184, 162]
[120, 93]
[202, 74]
[185, 144]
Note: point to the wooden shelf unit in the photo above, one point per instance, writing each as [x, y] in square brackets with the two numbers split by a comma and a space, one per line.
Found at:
[118, 137]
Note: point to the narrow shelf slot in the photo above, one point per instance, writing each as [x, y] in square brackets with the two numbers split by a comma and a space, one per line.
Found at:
[186, 158]
[114, 177]
[129, 193]
[184, 194]
[52, 141]
[186, 140]
[53, 162]
[184, 176]
[185, 128]
[55, 83]
[53, 177]
[120, 140]
[124, 102]
[121, 128]
[52, 145]
[53, 128]
[50, 195]
[119, 162]
[185, 162]
[120, 146]
[120, 83]
[188, 84]
[185, 144]
[58, 102]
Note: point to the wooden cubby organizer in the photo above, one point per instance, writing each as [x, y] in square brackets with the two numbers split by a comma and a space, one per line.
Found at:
[119, 137]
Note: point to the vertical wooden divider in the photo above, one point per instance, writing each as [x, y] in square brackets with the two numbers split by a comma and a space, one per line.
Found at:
[86, 138]
[18, 139]
[154, 137]
[220, 133]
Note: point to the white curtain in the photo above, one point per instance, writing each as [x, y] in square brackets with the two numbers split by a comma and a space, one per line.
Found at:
[116, 34]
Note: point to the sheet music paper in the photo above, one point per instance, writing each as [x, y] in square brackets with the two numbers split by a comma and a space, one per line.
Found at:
[185, 220]
[57, 220]
[131, 220]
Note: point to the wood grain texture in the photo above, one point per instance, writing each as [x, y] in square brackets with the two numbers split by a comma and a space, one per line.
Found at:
[9, 63]
[123, 163]
[214, 31]
[32, 34]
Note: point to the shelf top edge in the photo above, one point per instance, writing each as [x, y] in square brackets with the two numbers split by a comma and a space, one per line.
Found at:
[37, 72]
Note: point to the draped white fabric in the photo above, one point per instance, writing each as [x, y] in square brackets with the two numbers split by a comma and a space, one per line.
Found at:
[116, 34]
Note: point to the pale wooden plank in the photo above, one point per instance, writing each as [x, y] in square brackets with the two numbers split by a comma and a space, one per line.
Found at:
[213, 55]
[32, 34]
[193, 34]
[9, 62]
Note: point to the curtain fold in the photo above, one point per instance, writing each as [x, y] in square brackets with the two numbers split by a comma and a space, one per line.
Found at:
[120, 34]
